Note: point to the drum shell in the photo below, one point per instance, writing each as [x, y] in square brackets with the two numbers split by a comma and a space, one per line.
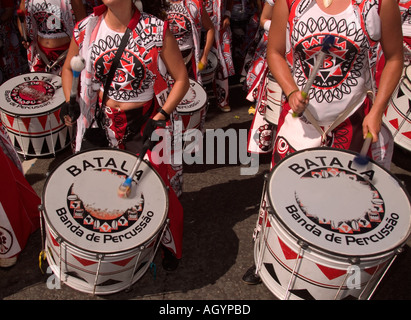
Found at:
[112, 272]
[274, 99]
[397, 115]
[324, 275]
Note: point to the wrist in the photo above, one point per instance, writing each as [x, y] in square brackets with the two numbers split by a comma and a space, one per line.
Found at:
[164, 114]
[291, 93]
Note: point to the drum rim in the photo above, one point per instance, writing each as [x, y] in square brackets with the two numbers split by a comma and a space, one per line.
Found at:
[50, 225]
[32, 115]
[317, 247]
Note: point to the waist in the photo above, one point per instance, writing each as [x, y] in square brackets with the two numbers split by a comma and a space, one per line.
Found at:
[123, 106]
[52, 43]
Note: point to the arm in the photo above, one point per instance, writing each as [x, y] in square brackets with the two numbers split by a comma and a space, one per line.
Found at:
[265, 19]
[227, 14]
[78, 9]
[67, 76]
[174, 63]
[210, 33]
[276, 56]
[392, 46]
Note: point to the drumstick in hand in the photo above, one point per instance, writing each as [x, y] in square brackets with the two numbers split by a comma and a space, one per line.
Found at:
[325, 46]
[362, 158]
[77, 64]
[125, 188]
[21, 15]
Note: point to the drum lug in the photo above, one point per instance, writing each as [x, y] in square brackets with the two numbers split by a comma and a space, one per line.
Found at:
[40, 207]
[302, 244]
[354, 260]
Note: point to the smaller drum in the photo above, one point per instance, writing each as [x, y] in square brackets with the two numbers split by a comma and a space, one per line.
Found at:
[31, 107]
[331, 228]
[97, 242]
[208, 73]
[192, 110]
[397, 116]
[274, 96]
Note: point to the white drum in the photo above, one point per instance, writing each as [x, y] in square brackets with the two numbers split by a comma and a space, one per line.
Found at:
[331, 227]
[97, 242]
[273, 105]
[397, 116]
[192, 110]
[31, 107]
[208, 73]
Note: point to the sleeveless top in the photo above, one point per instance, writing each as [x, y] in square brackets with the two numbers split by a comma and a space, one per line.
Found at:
[129, 83]
[50, 19]
[345, 75]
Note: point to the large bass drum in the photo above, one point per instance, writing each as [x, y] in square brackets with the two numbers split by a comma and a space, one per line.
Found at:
[331, 228]
[97, 242]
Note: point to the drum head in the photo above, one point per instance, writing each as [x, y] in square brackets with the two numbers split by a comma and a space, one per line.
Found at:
[82, 206]
[194, 100]
[31, 94]
[211, 63]
[322, 197]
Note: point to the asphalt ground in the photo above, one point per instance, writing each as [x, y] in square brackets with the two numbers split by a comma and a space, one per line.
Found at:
[220, 212]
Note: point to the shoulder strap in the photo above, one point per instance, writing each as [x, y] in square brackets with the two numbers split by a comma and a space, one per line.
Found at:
[110, 76]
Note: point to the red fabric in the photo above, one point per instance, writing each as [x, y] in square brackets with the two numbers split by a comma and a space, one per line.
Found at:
[20, 202]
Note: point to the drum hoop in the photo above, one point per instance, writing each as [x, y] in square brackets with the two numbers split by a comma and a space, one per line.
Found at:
[316, 247]
[163, 222]
[32, 115]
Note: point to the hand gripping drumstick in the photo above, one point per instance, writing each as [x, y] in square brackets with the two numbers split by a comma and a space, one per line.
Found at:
[77, 64]
[22, 15]
[125, 188]
[362, 158]
[325, 46]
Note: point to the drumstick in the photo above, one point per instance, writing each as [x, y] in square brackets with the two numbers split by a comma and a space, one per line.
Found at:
[325, 46]
[77, 64]
[22, 15]
[125, 188]
[362, 158]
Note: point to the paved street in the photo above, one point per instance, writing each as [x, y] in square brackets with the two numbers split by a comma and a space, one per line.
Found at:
[220, 211]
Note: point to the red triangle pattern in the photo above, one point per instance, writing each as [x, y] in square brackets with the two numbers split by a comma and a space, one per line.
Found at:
[331, 273]
[288, 253]
[55, 243]
[394, 123]
[84, 262]
[10, 119]
[26, 122]
[123, 263]
[43, 121]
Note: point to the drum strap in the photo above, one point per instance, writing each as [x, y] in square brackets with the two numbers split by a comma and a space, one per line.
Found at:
[342, 116]
[98, 115]
[50, 64]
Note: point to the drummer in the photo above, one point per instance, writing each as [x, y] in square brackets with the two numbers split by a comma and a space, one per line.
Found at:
[46, 31]
[185, 19]
[129, 103]
[220, 13]
[338, 111]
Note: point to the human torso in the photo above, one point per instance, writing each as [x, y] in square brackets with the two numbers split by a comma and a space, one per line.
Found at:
[54, 23]
[132, 84]
[341, 80]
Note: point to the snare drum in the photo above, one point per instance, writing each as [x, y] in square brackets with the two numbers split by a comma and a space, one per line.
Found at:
[97, 242]
[31, 107]
[397, 116]
[192, 109]
[274, 95]
[331, 228]
[208, 73]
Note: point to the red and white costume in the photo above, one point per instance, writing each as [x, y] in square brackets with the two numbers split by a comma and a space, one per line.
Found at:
[141, 75]
[19, 214]
[342, 83]
[50, 19]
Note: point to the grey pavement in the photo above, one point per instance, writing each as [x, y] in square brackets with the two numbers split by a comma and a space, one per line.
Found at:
[220, 212]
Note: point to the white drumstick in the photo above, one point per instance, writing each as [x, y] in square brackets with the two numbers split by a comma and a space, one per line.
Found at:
[77, 64]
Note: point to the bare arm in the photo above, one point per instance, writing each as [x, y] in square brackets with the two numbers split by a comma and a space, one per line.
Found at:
[276, 56]
[392, 45]
[174, 63]
[210, 34]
